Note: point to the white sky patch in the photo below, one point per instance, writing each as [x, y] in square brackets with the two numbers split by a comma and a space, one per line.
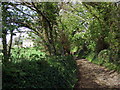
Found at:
[24, 34]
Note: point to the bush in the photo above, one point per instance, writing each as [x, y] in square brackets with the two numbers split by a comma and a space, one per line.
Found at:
[48, 72]
[104, 56]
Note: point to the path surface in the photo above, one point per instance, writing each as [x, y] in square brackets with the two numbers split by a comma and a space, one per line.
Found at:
[94, 76]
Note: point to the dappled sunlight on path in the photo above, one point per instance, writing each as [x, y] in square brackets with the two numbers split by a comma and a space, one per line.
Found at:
[94, 76]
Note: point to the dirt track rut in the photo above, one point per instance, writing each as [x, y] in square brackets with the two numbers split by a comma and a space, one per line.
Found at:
[94, 76]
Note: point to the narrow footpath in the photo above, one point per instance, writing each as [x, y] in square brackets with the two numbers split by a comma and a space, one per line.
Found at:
[94, 76]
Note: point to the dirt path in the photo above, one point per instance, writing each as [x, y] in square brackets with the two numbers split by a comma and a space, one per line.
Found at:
[94, 76]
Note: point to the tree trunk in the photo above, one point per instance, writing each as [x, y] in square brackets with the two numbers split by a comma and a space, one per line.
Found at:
[10, 45]
[49, 36]
[4, 42]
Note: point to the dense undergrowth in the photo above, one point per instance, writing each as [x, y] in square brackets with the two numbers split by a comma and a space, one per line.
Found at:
[104, 60]
[39, 71]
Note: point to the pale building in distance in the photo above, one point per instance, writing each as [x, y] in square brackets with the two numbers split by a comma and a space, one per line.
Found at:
[27, 43]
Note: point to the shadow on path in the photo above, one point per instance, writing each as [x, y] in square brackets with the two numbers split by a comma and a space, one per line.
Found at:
[94, 76]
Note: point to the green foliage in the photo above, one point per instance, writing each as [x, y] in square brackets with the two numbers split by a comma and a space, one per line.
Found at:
[103, 56]
[90, 56]
[42, 72]
[1, 56]
[103, 59]
[87, 30]
[26, 53]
